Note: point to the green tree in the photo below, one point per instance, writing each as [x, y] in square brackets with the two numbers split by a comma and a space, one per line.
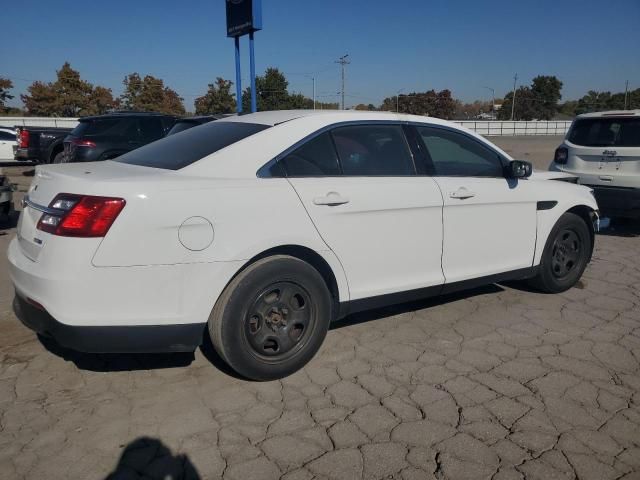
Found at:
[151, 95]
[5, 86]
[545, 90]
[436, 104]
[525, 105]
[218, 98]
[68, 96]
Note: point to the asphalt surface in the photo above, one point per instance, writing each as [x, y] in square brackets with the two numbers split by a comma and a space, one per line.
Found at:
[497, 383]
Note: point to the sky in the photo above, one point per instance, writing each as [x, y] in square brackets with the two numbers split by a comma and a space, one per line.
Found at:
[393, 45]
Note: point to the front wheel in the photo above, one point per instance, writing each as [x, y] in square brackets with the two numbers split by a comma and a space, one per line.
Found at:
[272, 318]
[565, 255]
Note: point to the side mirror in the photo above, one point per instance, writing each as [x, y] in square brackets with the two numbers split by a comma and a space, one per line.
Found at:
[519, 169]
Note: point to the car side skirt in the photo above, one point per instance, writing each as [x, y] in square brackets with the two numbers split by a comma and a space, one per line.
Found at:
[362, 304]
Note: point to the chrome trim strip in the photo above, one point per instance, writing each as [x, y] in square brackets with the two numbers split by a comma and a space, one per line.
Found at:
[26, 202]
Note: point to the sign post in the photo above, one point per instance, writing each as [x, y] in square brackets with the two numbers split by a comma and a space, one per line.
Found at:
[244, 17]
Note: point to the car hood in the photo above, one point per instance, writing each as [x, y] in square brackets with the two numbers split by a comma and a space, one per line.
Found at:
[545, 175]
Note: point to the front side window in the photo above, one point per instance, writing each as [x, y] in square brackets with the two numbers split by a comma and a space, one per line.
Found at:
[456, 155]
[316, 158]
[373, 150]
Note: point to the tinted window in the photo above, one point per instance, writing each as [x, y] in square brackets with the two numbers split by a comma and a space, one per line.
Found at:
[373, 150]
[178, 151]
[315, 158]
[455, 154]
[5, 136]
[150, 129]
[181, 126]
[127, 127]
[606, 132]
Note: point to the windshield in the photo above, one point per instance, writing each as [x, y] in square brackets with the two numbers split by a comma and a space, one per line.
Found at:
[606, 132]
[182, 126]
[178, 151]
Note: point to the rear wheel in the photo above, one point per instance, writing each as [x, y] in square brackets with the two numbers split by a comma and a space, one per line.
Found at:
[59, 158]
[565, 255]
[272, 318]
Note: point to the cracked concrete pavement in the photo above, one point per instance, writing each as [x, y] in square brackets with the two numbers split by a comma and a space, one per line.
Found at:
[498, 383]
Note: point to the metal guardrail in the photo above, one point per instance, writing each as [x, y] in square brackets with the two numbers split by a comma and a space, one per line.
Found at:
[482, 127]
[510, 128]
[63, 122]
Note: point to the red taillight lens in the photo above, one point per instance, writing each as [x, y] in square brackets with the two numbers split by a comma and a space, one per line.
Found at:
[24, 139]
[81, 215]
[83, 142]
[561, 155]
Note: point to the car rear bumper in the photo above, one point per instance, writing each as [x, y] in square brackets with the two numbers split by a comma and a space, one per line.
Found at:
[24, 154]
[110, 339]
[617, 201]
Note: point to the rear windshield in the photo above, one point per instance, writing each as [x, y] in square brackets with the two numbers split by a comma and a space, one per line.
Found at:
[605, 132]
[178, 151]
[106, 126]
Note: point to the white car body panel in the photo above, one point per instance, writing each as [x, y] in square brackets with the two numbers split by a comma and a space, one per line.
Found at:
[183, 235]
[6, 145]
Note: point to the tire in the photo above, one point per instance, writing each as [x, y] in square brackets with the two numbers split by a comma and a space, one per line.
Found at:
[272, 318]
[565, 256]
[59, 158]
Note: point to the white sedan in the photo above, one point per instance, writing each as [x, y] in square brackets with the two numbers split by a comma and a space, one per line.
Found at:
[262, 229]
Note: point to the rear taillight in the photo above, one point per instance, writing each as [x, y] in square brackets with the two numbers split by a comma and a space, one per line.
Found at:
[82, 142]
[24, 139]
[561, 155]
[80, 215]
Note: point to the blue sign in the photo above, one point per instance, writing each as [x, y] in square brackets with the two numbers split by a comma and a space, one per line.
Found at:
[243, 16]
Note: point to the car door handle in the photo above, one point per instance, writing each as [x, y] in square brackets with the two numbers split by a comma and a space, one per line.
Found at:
[331, 199]
[462, 193]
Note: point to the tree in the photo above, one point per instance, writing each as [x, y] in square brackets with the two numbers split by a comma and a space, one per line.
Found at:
[5, 86]
[436, 104]
[68, 96]
[525, 105]
[218, 98]
[545, 90]
[471, 110]
[362, 106]
[150, 94]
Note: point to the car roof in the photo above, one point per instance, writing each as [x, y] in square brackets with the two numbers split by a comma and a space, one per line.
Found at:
[122, 114]
[611, 113]
[277, 117]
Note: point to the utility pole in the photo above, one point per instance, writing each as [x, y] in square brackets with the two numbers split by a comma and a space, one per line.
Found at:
[513, 99]
[398, 100]
[343, 61]
[626, 93]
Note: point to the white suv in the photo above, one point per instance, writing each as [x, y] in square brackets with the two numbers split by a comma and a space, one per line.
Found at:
[603, 150]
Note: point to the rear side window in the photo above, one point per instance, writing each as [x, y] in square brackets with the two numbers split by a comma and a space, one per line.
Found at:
[316, 158]
[454, 154]
[5, 136]
[150, 129]
[373, 150]
[178, 151]
[606, 132]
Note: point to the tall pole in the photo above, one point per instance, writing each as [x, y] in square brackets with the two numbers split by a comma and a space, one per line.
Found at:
[398, 99]
[493, 98]
[252, 72]
[314, 92]
[238, 79]
[343, 61]
[513, 98]
[626, 93]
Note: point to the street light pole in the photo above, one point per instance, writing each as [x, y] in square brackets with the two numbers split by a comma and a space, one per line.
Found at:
[493, 99]
[513, 98]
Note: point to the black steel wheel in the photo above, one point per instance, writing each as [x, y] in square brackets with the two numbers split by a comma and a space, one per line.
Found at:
[272, 318]
[566, 255]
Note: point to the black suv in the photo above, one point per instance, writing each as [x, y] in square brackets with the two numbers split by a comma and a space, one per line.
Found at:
[107, 136]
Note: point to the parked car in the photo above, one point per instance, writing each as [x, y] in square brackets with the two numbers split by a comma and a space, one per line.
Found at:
[603, 150]
[7, 143]
[40, 144]
[261, 229]
[6, 197]
[186, 123]
[104, 137]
